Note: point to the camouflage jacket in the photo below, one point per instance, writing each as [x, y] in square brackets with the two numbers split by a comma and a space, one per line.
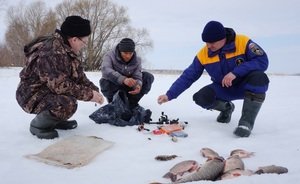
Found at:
[51, 67]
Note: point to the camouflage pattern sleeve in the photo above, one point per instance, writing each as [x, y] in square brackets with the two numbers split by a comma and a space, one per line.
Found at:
[88, 83]
[63, 75]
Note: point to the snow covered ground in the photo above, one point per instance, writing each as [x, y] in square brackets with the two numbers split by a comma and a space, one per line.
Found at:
[275, 138]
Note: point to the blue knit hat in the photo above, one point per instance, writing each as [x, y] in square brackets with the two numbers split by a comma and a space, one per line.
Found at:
[213, 31]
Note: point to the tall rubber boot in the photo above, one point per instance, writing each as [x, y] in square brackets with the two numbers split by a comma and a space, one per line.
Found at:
[134, 100]
[43, 126]
[251, 106]
[66, 125]
[226, 109]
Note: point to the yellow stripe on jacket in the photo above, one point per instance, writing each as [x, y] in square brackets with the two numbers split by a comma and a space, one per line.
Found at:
[240, 44]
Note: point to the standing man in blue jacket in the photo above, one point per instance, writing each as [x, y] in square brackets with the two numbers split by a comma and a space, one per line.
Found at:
[236, 66]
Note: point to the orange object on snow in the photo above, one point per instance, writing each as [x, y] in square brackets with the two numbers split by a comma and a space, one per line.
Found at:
[158, 132]
[171, 128]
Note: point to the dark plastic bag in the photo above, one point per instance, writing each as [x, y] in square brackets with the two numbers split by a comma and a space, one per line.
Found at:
[118, 112]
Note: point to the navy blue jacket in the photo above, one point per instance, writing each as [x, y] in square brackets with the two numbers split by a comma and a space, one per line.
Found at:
[240, 55]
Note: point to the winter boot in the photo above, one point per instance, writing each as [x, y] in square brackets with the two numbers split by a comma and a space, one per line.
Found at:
[43, 126]
[134, 101]
[251, 107]
[66, 125]
[147, 117]
[226, 109]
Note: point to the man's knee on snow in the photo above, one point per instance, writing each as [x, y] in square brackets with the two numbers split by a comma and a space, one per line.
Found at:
[205, 97]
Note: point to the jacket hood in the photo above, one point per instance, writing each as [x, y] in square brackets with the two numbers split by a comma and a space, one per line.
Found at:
[230, 35]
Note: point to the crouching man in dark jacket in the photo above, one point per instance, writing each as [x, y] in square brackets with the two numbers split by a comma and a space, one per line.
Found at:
[53, 79]
[122, 70]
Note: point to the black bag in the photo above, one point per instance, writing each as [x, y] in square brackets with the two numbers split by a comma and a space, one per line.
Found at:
[119, 113]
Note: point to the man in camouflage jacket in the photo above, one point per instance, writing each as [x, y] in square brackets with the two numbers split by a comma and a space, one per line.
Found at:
[53, 78]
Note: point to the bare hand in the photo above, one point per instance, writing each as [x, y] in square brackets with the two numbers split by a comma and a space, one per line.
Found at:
[97, 97]
[130, 82]
[227, 80]
[136, 90]
[162, 99]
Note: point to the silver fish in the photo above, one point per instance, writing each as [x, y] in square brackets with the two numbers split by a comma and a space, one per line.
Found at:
[233, 162]
[181, 168]
[236, 173]
[208, 171]
[271, 169]
[242, 153]
[208, 153]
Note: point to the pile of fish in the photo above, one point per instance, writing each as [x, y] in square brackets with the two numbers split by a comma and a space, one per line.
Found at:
[217, 168]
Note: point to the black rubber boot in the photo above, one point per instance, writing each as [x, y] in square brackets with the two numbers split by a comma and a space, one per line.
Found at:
[147, 117]
[43, 126]
[66, 125]
[251, 106]
[226, 109]
[134, 100]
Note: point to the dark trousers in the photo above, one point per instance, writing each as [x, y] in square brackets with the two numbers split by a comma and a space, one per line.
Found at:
[109, 88]
[255, 82]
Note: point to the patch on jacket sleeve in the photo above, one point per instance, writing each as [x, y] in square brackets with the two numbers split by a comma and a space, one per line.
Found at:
[256, 49]
[239, 61]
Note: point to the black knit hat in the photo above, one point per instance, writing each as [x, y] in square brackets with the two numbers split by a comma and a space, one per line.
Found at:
[213, 31]
[76, 26]
[126, 45]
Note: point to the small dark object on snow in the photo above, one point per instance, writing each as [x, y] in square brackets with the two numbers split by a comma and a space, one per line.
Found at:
[165, 157]
[163, 119]
[142, 127]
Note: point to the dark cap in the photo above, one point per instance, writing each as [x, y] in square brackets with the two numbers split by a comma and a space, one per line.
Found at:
[76, 26]
[126, 45]
[213, 31]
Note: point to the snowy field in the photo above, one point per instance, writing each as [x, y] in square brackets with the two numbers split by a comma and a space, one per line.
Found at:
[275, 138]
